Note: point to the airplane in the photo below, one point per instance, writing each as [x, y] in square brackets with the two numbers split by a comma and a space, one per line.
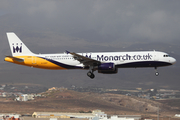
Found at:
[103, 62]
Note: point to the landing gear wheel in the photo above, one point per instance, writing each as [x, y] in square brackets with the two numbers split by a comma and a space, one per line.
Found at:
[90, 74]
[156, 73]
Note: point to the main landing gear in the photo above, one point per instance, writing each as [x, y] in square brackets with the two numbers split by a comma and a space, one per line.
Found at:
[156, 72]
[91, 74]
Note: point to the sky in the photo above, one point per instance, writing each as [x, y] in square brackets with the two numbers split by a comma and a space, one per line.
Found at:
[99, 20]
[53, 26]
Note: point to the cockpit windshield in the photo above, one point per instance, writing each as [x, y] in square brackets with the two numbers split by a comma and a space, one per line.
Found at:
[166, 55]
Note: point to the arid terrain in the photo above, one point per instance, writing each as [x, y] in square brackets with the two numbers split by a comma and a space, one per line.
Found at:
[71, 101]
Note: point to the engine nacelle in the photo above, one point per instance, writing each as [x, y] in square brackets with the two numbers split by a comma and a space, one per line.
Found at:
[107, 68]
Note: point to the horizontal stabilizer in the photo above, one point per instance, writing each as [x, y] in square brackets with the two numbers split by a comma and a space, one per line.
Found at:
[16, 59]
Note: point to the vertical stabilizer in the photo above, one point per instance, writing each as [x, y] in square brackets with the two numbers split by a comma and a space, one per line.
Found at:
[18, 48]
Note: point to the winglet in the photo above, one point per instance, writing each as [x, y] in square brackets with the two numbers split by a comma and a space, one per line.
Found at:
[67, 52]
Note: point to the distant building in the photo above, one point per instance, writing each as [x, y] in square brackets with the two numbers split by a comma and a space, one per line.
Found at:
[125, 117]
[30, 118]
[53, 88]
[95, 115]
[177, 115]
[139, 89]
[56, 88]
[99, 114]
[89, 116]
[4, 116]
[111, 89]
[25, 97]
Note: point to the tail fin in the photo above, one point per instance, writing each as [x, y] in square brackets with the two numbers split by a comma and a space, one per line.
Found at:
[17, 47]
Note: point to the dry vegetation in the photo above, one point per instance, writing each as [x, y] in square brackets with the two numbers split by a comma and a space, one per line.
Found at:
[71, 101]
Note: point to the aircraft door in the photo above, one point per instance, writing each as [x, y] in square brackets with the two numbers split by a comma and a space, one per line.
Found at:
[33, 60]
[156, 57]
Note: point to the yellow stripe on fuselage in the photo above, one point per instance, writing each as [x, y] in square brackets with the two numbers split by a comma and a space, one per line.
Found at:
[34, 61]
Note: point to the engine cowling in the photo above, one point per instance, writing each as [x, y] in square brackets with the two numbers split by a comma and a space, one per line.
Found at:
[107, 68]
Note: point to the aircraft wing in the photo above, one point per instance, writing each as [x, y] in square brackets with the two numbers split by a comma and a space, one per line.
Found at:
[84, 60]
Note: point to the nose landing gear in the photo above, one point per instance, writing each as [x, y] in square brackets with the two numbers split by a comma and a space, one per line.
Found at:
[156, 72]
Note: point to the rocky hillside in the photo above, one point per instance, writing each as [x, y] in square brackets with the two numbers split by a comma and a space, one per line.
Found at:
[71, 101]
[110, 103]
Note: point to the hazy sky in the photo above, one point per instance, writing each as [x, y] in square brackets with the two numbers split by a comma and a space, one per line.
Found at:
[91, 25]
[99, 20]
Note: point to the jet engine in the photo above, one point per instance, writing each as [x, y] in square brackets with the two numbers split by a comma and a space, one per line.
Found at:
[107, 68]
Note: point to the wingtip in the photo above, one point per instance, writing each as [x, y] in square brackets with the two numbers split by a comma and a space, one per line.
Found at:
[10, 33]
[67, 52]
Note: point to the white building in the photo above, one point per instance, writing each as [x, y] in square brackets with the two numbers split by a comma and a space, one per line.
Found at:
[95, 115]
[24, 97]
[8, 115]
[177, 115]
[89, 116]
[123, 117]
[99, 114]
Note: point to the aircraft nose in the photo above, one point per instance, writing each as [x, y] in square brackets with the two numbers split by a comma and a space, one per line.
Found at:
[173, 60]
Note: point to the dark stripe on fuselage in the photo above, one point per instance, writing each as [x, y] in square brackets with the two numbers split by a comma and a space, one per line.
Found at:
[143, 64]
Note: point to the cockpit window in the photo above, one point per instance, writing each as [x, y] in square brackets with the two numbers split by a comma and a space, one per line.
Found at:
[166, 55]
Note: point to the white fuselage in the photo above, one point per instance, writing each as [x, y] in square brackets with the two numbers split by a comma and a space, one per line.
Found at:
[120, 59]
